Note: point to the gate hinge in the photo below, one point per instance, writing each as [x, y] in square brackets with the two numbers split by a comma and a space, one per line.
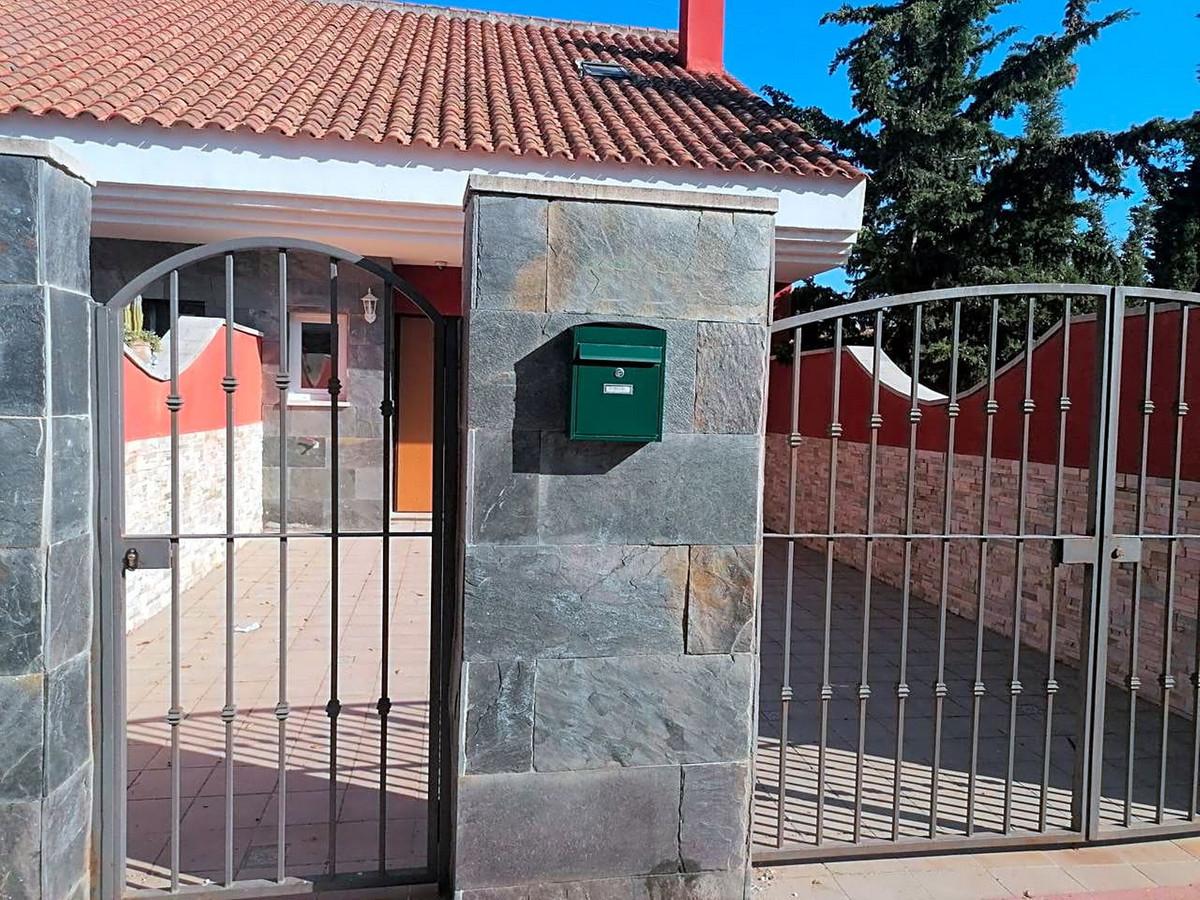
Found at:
[151, 553]
[1084, 550]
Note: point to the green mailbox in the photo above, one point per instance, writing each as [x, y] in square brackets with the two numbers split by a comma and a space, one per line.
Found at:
[617, 382]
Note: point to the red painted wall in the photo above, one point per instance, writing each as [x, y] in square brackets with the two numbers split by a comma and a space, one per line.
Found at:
[440, 286]
[145, 397]
[816, 375]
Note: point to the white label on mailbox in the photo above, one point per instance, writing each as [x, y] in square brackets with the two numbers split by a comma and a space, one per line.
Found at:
[618, 389]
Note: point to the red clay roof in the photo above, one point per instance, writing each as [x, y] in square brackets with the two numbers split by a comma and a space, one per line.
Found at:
[382, 72]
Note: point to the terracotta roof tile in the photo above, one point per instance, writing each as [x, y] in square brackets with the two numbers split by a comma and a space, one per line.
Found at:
[424, 76]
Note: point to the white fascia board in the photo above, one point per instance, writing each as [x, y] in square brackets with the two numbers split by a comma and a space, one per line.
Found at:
[194, 186]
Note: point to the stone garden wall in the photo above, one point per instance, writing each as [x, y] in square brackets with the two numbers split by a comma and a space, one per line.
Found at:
[202, 506]
[1037, 582]
[608, 637]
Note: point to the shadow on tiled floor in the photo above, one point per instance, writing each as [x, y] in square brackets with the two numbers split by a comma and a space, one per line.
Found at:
[1033, 772]
[358, 802]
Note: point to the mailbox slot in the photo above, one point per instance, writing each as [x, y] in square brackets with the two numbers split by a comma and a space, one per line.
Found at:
[617, 381]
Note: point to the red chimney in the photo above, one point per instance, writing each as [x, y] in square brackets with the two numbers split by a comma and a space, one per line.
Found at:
[702, 35]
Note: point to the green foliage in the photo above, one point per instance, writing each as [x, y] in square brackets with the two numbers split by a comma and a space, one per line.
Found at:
[954, 198]
[141, 336]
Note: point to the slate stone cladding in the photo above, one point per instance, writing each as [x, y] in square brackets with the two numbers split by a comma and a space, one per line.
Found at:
[1037, 579]
[608, 637]
[46, 541]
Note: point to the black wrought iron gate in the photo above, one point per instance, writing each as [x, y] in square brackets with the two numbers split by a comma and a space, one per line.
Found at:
[979, 618]
[267, 743]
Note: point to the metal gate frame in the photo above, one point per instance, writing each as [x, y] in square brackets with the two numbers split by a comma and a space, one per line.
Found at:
[1099, 549]
[109, 682]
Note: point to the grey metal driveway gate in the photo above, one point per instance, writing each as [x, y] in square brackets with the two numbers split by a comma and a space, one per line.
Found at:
[979, 623]
[120, 552]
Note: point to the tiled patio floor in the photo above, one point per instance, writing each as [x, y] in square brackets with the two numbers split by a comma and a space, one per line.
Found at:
[880, 744]
[254, 759]
[1164, 870]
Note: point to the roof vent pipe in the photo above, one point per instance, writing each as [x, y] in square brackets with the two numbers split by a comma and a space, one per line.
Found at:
[702, 36]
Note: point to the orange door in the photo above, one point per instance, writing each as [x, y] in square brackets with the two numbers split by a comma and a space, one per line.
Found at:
[414, 427]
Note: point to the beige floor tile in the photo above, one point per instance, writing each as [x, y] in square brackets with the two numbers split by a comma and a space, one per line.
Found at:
[883, 886]
[960, 884]
[1109, 877]
[1153, 852]
[1036, 880]
[1172, 873]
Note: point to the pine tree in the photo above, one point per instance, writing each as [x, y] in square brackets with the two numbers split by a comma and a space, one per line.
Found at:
[954, 198]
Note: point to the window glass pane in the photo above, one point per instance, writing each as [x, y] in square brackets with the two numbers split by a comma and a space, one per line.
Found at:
[316, 355]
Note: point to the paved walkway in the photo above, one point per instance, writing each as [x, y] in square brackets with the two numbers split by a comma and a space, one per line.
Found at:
[356, 796]
[1165, 870]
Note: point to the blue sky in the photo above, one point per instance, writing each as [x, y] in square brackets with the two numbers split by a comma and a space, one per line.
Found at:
[1136, 71]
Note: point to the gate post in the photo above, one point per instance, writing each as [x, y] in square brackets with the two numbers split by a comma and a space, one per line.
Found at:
[46, 524]
[606, 688]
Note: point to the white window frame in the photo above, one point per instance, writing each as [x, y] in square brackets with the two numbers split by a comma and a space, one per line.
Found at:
[301, 396]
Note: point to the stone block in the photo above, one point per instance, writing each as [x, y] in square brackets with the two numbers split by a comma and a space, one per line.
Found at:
[499, 732]
[23, 350]
[715, 812]
[66, 203]
[688, 489]
[19, 245]
[68, 599]
[641, 711]
[68, 719]
[503, 486]
[71, 482]
[66, 828]
[519, 372]
[21, 590]
[21, 719]
[302, 452]
[535, 827]
[21, 850]
[686, 886]
[573, 601]
[71, 346]
[509, 246]
[22, 480]
[720, 607]
[731, 375]
[622, 259]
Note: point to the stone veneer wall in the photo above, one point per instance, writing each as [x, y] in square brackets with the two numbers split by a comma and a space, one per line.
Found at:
[46, 519]
[962, 588]
[608, 637]
[202, 506]
[256, 305]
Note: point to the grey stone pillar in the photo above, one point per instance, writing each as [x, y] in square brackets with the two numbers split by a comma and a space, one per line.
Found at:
[46, 524]
[608, 634]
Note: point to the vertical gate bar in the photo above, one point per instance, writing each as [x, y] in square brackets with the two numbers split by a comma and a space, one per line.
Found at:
[910, 491]
[1167, 679]
[785, 691]
[1089, 760]
[1014, 680]
[864, 689]
[835, 432]
[282, 710]
[383, 706]
[978, 689]
[1132, 681]
[334, 707]
[1051, 685]
[175, 713]
[112, 761]
[229, 711]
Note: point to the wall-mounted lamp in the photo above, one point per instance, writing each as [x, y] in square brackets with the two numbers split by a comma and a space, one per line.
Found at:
[370, 303]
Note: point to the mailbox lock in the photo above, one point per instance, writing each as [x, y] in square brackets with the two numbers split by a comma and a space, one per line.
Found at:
[618, 372]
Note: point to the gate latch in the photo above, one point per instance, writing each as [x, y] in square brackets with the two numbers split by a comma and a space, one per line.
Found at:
[154, 553]
[1083, 550]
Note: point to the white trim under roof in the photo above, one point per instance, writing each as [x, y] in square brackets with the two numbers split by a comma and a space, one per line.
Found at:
[405, 203]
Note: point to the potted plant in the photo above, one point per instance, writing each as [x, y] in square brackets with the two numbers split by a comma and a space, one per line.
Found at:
[141, 343]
